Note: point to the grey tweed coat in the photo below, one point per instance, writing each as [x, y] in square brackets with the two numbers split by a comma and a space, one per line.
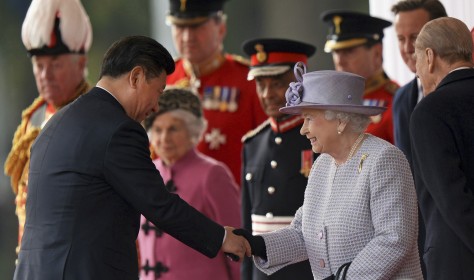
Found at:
[363, 212]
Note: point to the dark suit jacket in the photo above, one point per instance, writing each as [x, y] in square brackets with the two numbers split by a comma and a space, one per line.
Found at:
[404, 103]
[442, 134]
[90, 178]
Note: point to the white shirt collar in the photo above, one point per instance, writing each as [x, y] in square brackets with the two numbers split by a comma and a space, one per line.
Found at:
[460, 68]
[108, 92]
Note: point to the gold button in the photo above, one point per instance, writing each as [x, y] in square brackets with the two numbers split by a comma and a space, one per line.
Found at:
[321, 263]
[269, 215]
[271, 190]
[278, 140]
[248, 176]
[273, 164]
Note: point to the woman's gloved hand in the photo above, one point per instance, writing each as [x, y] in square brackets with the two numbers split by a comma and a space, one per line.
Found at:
[256, 242]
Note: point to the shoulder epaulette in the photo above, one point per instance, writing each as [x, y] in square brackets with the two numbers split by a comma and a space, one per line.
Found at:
[255, 131]
[240, 59]
[391, 87]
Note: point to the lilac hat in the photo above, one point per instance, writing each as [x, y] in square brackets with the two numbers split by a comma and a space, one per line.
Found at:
[330, 90]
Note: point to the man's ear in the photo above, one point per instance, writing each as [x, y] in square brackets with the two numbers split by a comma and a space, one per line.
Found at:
[378, 50]
[136, 75]
[430, 57]
[82, 62]
[222, 30]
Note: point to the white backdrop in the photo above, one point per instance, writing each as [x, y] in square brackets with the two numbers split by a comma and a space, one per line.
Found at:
[393, 63]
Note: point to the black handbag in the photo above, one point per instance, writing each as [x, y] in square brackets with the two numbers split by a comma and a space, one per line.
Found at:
[340, 273]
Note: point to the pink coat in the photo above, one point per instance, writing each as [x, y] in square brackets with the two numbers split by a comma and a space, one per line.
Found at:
[208, 186]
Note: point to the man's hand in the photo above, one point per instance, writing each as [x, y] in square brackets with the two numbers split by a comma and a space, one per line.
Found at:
[236, 245]
[257, 243]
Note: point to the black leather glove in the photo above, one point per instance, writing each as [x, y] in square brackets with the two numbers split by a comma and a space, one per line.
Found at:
[256, 242]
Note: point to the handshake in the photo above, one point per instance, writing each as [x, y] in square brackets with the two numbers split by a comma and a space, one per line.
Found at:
[255, 243]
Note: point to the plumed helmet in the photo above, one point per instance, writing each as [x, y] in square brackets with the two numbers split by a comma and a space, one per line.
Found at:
[53, 27]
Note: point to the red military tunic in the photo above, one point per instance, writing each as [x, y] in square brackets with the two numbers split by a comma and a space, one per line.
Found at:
[379, 91]
[230, 105]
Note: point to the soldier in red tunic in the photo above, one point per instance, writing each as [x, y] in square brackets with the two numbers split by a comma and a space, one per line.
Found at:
[229, 100]
[355, 41]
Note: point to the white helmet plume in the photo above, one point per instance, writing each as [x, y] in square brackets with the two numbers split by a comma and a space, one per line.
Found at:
[41, 35]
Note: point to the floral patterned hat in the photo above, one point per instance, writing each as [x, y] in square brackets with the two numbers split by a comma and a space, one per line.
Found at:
[176, 99]
[329, 90]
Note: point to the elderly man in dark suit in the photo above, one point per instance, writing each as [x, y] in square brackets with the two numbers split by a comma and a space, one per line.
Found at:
[442, 137]
[91, 176]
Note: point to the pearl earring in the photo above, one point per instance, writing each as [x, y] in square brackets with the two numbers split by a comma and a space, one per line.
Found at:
[339, 132]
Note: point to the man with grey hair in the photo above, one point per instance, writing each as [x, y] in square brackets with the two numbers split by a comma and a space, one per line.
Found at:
[442, 133]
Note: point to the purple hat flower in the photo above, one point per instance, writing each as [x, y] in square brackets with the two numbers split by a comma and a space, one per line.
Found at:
[327, 90]
[295, 92]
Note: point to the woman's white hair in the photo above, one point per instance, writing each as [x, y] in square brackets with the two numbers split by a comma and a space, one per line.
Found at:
[195, 126]
[356, 122]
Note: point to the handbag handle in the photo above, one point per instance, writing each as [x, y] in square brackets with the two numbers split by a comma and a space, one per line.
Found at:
[342, 271]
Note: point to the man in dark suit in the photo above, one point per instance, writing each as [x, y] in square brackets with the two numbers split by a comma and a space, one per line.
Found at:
[91, 176]
[410, 16]
[276, 159]
[442, 138]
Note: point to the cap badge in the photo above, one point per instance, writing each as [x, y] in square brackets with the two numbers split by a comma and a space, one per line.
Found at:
[182, 8]
[337, 24]
[261, 54]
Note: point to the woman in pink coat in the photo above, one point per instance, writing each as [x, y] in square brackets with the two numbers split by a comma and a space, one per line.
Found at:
[203, 182]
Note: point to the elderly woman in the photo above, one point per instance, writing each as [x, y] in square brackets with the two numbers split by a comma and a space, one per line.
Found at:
[204, 183]
[359, 216]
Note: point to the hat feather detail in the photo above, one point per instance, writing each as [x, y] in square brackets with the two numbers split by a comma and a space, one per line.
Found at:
[75, 26]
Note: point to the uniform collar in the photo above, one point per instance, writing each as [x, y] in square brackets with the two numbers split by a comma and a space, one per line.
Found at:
[286, 123]
[202, 69]
[376, 81]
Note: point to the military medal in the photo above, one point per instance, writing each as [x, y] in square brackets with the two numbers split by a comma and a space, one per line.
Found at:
[216, 94]
[376, 119]
[306, 162]
[207, 98]
[378, 103]
[223, 99]
[225, 94]
[234, 94]
[215, 139]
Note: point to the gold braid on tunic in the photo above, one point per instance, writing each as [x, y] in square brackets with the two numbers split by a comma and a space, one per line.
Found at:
[18, 160]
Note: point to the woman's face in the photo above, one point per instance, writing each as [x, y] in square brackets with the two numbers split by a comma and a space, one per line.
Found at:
[321, 133]
[170, 138]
